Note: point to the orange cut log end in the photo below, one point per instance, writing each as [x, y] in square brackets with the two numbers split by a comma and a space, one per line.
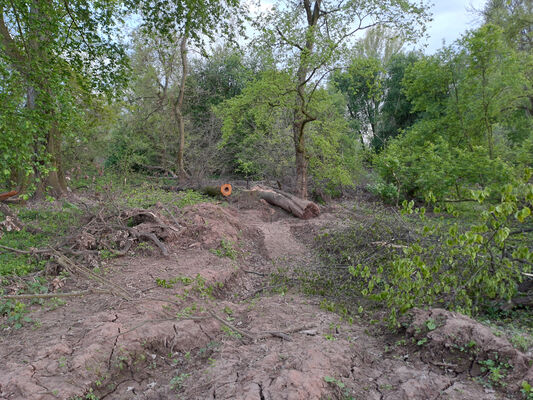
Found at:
[225, 190]
[4, 196]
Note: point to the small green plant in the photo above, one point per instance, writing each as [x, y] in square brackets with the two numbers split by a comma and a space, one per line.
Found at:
[430, 324]
[521, 341]
[177, 382]
[15, 311]
[226, 249]
[230, 332]
[496, 371]
[88, 396]
[527, 390]
[334, 381]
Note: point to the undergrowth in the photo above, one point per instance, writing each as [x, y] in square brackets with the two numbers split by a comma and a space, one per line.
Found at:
[53, 221]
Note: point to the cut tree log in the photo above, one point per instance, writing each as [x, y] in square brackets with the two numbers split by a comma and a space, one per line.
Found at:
[5, 196]
[300, 208]
[215, 191]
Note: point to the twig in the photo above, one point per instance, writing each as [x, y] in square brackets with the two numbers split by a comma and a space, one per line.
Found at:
[253, 272]
[233, 328]
[70, 265]
[262, 289]
[284, 335]
[32, 251]
[52, 295]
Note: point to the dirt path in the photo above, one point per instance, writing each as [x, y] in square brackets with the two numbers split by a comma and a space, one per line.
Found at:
[139, 349]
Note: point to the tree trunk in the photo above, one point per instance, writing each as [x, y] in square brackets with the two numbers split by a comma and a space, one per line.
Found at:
[301, 116]
[301, 159]
[22, 61]
[178, 108]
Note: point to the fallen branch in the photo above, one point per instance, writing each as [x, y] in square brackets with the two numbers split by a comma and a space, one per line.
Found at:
[71, 266]
[52, 295]
[261, 289]
[150, 236]
[32, 251]
[233, 328]
[284, 335]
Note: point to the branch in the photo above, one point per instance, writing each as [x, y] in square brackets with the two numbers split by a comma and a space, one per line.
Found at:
[518, 231]
[289, 41]
[53, 295]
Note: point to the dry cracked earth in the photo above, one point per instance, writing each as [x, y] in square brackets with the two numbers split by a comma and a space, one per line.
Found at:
[203, 323]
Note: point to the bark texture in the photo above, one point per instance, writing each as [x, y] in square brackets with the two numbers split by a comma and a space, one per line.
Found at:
[300, 208]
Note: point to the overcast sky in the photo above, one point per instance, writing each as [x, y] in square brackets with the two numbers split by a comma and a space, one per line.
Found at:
[451, 18]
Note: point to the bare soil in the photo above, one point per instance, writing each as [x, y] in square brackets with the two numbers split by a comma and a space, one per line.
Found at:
[203, 323]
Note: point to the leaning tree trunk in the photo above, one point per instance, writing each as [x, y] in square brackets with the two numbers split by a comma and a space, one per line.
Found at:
[178, 108]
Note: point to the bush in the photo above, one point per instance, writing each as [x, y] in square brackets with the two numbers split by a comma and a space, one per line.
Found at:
[461, 270]
[387, 191]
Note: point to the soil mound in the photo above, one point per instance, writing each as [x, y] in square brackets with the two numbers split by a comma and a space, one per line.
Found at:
[457, 343]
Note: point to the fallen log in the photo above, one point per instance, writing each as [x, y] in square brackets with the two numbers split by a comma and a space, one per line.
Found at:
[5, 196]
[300, 208]
[215, 191]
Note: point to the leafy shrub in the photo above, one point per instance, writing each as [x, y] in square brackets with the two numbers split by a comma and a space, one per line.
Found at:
[387, 191]
[456, 269]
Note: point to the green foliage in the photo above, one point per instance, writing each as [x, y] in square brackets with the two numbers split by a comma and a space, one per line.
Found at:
[52, 59]
[468, 97]
[454, 268]
[51, 221]
[15, 311]
[418, 168]
[257, 132]
[495, 371]
[147, 195]
[387, 191]
[527, 390]
[363, 86]
[226, 249]
[176, 383]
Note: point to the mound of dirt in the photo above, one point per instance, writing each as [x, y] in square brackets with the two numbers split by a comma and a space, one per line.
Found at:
[458, 343]
[206, 225]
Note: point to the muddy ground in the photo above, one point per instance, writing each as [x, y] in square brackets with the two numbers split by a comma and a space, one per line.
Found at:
[207, 322]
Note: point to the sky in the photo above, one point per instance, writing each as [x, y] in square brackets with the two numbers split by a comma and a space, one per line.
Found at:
[451, 18]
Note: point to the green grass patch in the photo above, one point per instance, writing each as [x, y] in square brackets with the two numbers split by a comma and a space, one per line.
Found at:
[53, 223]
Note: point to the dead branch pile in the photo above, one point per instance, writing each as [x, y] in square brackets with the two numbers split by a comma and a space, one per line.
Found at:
[113, 231]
